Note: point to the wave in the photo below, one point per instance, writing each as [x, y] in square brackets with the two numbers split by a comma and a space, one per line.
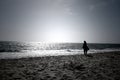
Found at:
[13, 50]
[40, 53]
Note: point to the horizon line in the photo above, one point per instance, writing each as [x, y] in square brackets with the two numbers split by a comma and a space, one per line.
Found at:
[58, 42]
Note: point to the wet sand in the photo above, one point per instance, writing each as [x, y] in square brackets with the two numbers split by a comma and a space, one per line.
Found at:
[99, 66]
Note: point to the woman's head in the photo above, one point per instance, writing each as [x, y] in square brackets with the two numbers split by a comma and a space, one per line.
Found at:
[84, 41]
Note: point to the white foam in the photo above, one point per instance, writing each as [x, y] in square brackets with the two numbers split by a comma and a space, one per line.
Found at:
[39, 53]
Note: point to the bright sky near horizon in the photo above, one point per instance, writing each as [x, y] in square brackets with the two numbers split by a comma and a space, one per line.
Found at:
[96, 21]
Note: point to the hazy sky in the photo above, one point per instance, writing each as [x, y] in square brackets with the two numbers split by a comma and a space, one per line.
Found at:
[60, 20]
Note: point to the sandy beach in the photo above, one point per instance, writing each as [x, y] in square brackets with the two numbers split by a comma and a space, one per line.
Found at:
[99, 66]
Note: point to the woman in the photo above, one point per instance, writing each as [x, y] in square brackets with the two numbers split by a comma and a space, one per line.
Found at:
[85, 48]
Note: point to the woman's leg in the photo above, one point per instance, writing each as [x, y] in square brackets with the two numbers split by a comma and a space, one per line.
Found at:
[85, 52]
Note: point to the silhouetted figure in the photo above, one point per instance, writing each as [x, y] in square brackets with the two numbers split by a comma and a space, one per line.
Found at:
[85, 48]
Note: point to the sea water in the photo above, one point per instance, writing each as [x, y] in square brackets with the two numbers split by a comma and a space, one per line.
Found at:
[12, 49]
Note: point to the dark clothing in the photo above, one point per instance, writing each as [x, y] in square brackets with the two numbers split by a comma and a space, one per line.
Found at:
[85, 48]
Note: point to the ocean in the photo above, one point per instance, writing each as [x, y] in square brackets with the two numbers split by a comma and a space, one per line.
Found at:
[13, 49]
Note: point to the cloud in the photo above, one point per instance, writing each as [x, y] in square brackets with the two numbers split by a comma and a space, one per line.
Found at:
[100, 4]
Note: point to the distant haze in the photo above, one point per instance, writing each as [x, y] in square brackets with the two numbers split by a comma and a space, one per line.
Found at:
[96, 21]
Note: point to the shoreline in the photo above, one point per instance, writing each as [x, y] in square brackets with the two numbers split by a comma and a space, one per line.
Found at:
[99, 66]
[21, 55]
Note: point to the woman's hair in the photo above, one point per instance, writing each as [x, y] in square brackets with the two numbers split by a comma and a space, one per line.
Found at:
[85, 42]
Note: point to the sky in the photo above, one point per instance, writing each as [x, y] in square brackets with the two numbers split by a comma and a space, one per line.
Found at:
[96, 21]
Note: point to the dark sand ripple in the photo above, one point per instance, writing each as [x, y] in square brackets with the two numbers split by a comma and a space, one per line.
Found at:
[100, 66]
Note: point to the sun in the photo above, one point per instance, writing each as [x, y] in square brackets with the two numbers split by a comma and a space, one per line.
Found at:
[57, 35]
